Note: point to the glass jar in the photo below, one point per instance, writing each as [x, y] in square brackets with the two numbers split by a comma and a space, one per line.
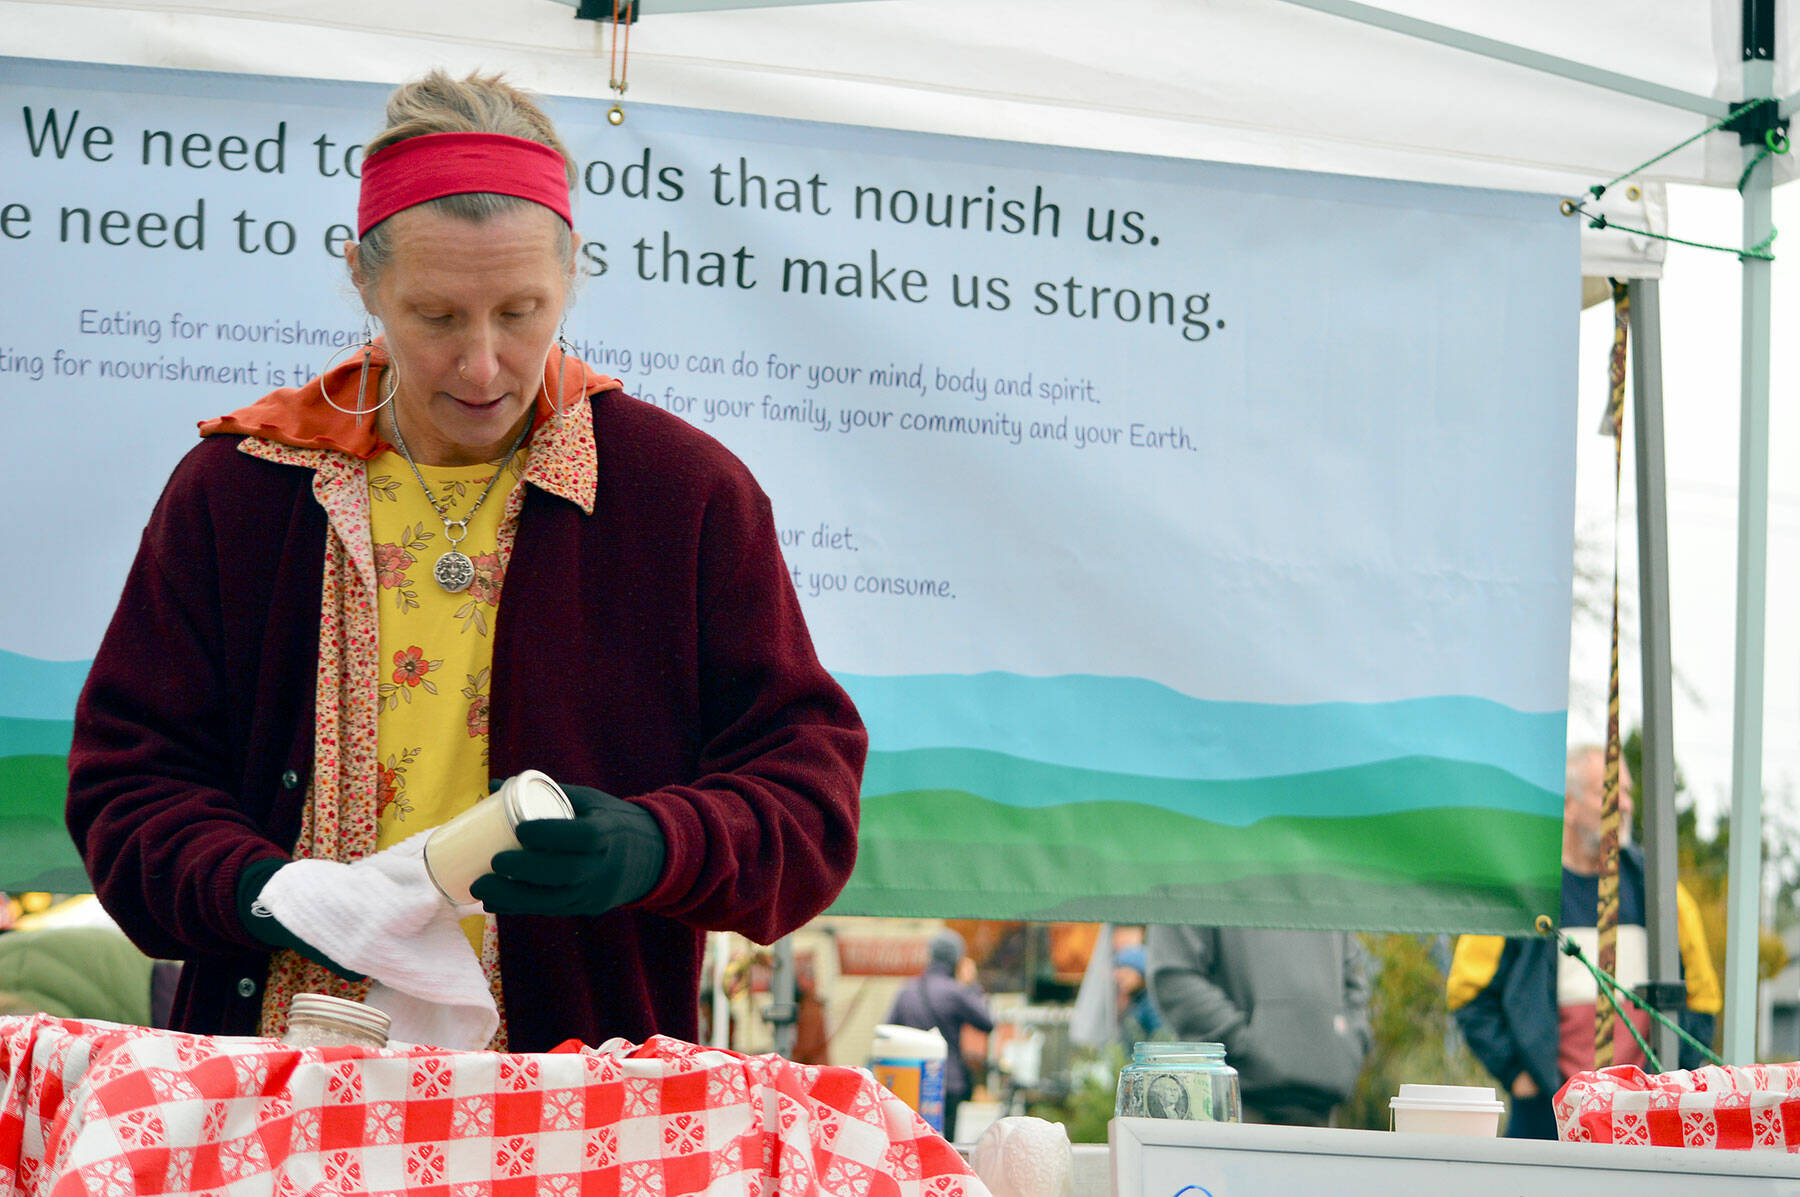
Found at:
[1179, 1080]
[463, 849]
[319, 1020]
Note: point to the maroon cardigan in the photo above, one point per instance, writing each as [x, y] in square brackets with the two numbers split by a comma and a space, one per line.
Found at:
[654, 650]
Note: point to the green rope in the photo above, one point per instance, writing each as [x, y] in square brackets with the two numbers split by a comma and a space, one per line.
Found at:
[1774, 142]
[1759, 250]
[1608, 986]
[1750, 106]
[1754, 163]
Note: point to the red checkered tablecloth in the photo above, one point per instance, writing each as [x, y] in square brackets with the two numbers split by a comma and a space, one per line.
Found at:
[93, 1108]
[1746, 1108]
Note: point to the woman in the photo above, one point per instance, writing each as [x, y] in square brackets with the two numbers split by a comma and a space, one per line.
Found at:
[457, 555]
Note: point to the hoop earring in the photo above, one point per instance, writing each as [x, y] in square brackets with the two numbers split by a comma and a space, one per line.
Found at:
[362, 380]
[562, 369]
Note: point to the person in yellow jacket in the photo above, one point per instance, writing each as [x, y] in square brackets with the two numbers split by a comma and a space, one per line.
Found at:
[1527, 1011]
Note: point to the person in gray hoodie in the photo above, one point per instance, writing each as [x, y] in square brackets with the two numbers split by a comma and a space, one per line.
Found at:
[1291, 1008]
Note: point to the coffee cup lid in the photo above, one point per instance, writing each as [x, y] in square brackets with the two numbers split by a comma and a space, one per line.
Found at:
[1446, 1097]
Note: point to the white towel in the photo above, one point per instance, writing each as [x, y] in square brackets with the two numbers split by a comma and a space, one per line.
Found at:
[382, 917]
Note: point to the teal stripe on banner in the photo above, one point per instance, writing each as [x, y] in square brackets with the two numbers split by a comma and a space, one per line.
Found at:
[35, 737]
[1383, 787]
[1130, 725]
[34, 689]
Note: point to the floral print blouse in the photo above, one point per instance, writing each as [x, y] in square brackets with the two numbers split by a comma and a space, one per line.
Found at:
[436, 646]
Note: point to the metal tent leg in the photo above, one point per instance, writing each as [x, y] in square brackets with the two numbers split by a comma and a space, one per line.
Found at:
[1743, 913]
[1656, 788]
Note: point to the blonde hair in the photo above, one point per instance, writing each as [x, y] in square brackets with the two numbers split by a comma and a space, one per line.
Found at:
[478, 103]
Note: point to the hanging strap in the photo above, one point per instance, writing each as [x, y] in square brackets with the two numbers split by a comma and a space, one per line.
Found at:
[1606, 917]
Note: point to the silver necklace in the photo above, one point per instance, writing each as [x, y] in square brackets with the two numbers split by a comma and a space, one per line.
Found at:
[454, 571]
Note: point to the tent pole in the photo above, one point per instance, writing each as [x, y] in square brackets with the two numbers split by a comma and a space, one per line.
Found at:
[1744, 908]
[1656, 787]
[783, 1011]
[721, 1002]
[1568, 68]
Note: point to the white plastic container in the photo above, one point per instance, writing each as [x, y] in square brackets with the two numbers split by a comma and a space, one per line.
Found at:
[911, 1063]
[1446, 1110]
[463, 849]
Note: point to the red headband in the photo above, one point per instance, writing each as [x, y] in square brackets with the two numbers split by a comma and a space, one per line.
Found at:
[434, 165]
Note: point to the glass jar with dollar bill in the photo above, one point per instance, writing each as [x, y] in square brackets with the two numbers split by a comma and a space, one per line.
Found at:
[1189, 1081]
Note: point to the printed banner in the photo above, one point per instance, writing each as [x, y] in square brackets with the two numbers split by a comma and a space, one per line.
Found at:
[1194, 538]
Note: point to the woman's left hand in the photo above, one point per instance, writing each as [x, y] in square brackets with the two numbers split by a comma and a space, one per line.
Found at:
[609, 854]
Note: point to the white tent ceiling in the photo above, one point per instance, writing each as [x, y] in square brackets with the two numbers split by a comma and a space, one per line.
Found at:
[1258, 81]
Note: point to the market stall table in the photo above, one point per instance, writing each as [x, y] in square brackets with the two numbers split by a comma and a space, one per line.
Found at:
[100, 1108]
[1218, 1159]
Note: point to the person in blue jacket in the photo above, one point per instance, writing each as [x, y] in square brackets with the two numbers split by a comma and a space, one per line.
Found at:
[1527, 1011]
[945, 996]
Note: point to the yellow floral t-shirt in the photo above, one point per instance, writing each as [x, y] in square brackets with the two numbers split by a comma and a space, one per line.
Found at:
[436, 646]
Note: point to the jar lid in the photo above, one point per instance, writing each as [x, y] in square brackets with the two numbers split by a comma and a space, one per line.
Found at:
[535, 795]
[1159, 1049]
[325, 1008]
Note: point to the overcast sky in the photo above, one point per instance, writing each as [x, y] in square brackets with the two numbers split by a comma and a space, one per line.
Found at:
[1701, 299]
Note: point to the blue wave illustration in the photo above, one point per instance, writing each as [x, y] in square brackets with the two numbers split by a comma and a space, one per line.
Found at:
[1110, 724]
[1385, 787]
[1130, 725]
[34, 689]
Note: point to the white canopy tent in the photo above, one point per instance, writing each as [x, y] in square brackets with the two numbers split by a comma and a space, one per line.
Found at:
[1522, 94]
[1256, 81]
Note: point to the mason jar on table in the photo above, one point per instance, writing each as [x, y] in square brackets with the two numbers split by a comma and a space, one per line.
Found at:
[320, 1020]
[1189, 1081]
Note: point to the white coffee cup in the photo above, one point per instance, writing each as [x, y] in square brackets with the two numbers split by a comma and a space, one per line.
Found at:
[1446, 1110]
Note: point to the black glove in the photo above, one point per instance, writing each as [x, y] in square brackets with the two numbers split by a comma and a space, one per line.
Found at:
[609, 854]
[265, 928]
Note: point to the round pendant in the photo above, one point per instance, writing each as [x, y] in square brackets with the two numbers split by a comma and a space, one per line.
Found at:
[454, 571]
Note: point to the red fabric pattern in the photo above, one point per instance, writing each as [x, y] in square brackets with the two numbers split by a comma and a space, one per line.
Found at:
[95, 1108]
[1744, 1108]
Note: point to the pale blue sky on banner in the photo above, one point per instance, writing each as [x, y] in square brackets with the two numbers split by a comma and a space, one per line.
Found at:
[1700, 329]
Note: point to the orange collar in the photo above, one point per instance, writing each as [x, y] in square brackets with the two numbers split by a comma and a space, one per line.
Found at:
[299, 416]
